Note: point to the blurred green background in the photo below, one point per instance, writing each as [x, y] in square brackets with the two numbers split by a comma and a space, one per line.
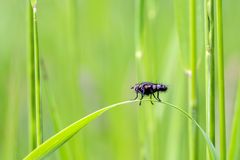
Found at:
[87, 52]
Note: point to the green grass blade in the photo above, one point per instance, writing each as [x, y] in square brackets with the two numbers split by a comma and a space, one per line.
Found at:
[209, 70]
[213, 152]
[63, 136]
[65, 153]
[235, 128]
[220, 71]
[139, 37]
[193, 137]
[37, 77]
[31, 82]
[60, 138]
[34, 78]
[10, 136]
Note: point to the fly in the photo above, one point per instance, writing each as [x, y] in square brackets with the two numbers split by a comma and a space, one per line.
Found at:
[149, 89]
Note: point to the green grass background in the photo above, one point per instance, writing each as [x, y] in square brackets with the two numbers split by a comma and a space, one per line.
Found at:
[88, 61]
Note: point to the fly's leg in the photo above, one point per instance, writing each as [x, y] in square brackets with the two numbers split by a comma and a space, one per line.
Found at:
[155, 97]
[158, 97]
[141, 100]
[136, 96]
[151, 99]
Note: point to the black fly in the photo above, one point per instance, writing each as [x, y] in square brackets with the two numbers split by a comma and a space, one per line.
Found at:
[148, 89]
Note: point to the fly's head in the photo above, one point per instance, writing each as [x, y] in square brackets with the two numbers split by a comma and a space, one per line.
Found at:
[135, 87]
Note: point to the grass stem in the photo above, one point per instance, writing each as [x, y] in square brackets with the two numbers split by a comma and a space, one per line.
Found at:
[35, 109]
[220, 71]
[139, 26]
[193, 140]
[209, 70]
[139, 52]
[235, 128]
[37, 78]
[31, 81]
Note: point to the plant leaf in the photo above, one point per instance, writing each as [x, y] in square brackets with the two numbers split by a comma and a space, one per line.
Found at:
[64, 135]
[234, 145]
[210, 145]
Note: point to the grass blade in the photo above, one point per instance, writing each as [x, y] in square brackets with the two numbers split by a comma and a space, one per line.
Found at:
[193, 139]
[63, 136]
[31, 81]
[139, 36]
[34, 78]
[209, 70]
[210, 145]
[235, 128]
[220, 70]
[37, 77]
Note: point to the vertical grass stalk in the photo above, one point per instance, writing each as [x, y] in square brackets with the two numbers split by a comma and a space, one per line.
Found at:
[193, 139]
[144, 116]
[37, 77]
[220, 71]
[35, 74]
[234, 145]
[139, 25]
[54, 115]
[209, 70]
[31, 82]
